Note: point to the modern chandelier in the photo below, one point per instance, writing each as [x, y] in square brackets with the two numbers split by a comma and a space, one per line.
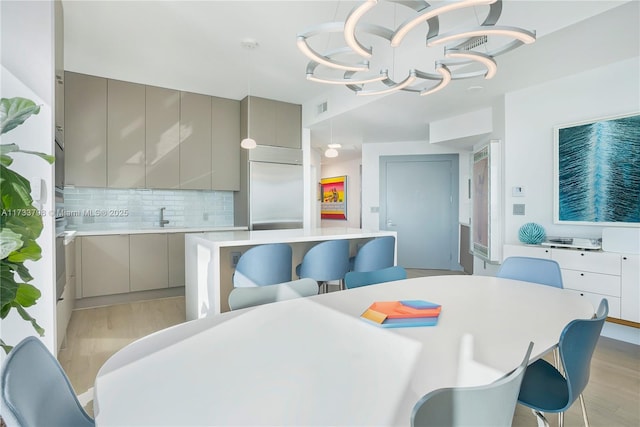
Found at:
[467, 53]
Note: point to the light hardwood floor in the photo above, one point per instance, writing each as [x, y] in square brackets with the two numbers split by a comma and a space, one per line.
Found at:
[612, 396]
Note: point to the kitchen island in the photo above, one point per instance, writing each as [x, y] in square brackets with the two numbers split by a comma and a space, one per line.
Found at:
[210, 259]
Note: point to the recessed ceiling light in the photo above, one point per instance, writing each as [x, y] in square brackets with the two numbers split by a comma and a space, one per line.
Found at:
[474, 88]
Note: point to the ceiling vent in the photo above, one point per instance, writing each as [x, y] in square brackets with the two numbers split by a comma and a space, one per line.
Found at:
[473, 43]
[322, 108]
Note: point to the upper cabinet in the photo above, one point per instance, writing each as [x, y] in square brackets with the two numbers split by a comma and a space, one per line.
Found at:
[128, 135]
[163, 138]
[85, 130]
[271, 122]
[225, 144]
[125, 135]
[195, 141]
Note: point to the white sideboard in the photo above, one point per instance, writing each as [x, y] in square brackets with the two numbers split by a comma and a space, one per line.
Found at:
[594, 275]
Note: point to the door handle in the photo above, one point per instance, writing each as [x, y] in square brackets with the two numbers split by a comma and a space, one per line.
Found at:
[390, 223]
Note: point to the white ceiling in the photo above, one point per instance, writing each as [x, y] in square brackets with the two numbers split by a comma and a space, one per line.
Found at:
[196, 46]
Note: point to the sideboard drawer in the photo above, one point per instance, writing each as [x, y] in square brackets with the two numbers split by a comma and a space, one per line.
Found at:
[532, 251]
[603, 284]
[596, 262]
[594, 299]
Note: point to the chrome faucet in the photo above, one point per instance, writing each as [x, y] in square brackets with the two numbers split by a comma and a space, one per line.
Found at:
[162, 220]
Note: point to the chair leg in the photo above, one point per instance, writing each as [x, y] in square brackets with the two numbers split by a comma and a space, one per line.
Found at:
[560, 419]
[542, 421]
[584, 411]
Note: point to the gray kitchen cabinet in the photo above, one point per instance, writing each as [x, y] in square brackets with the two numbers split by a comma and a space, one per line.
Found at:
[125, 134]
[225, 144]
[175, 244]
[162, 153]
[195, 141]
[105, 265]
[272, 122]
[64, 306]
[148, 258]
[85, 130]
[289, 125]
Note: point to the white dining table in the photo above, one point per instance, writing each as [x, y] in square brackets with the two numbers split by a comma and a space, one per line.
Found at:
[314, 361]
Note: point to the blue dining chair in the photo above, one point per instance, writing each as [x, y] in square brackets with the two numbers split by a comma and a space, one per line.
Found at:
[545, 389]
[491, 405]
[35, 391]
[258, 295]
[327, 261]
[355, 279]
[262, 265]
[375, 254]
[535, 270]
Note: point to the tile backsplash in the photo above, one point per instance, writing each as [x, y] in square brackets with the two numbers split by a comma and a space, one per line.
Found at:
[88, 209]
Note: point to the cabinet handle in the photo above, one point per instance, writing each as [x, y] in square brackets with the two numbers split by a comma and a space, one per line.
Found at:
[582, 254]
[624, 257]
[582, 274]
[581, 294]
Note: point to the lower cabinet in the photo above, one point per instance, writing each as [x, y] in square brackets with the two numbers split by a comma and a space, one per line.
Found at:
[595, 275]
[65, 305]
[118, 264]
[175, 244]
[148, 256]
[630, 304]
[105, 265]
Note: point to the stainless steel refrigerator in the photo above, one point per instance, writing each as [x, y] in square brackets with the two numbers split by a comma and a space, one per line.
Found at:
[276, 191]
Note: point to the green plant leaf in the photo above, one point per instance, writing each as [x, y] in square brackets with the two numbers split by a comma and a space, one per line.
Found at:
[8, 148]
[14, 148]
[27, 295]
[29, 251]
[14, 111]
[5, 160]
[49, 158]
[26, 316]
[16, 190]
[22, 271]
[5, 347]
[8, 289]
[9, 242]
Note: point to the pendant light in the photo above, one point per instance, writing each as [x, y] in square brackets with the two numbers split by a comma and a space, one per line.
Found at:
[332, 151]
[249, 143]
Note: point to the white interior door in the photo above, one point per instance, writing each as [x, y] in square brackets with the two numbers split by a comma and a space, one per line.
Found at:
[419, 200]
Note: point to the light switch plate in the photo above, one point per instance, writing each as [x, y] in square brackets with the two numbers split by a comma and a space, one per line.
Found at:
[517, 191]
[518, 209]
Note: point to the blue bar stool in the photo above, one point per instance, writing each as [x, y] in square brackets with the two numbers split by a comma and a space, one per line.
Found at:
[376, 254]
[325, 262]
[263, 265]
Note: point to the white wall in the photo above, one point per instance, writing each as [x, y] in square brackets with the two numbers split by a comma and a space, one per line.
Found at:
[371, 179]
[27, 71]
[531, 115]
[350, 168]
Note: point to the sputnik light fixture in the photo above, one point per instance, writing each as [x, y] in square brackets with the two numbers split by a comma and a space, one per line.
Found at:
[466, 53]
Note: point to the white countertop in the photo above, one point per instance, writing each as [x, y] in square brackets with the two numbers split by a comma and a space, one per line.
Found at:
[242, 238]
[156, 230]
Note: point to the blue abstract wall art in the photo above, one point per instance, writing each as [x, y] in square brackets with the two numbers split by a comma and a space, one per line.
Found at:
[598, 171]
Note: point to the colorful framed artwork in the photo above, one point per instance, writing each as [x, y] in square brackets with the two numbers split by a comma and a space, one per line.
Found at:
[597, 172]
[333, 197]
